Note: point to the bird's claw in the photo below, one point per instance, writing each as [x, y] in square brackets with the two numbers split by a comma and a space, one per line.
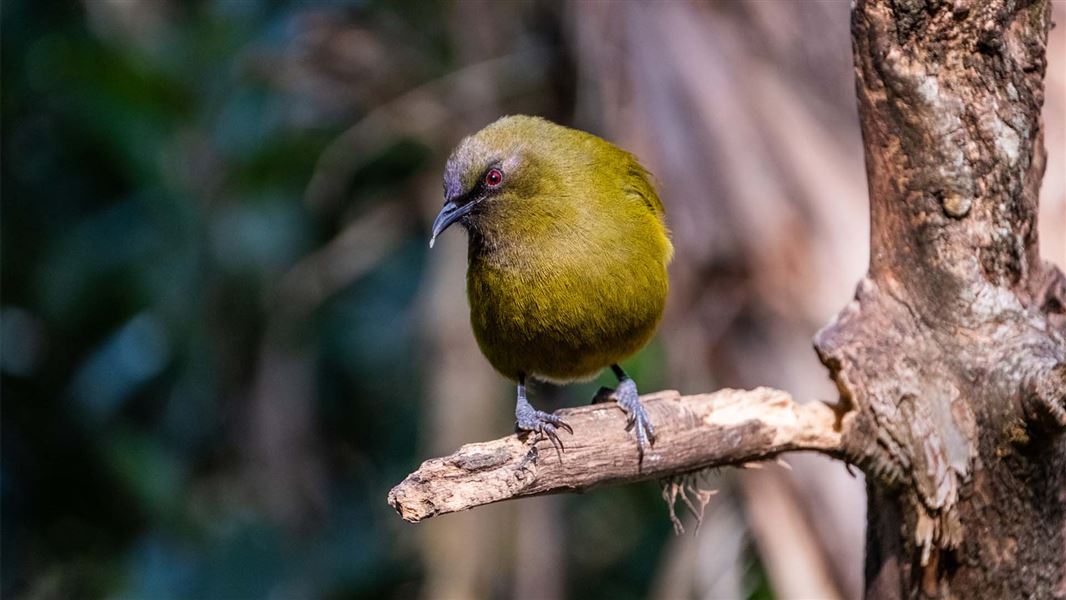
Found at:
[637, 419]
[544, 424]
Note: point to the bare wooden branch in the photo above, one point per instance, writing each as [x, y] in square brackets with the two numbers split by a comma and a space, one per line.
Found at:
[728, 427]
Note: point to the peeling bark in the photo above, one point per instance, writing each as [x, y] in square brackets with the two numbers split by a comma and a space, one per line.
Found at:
[952, 354]
[728, 427]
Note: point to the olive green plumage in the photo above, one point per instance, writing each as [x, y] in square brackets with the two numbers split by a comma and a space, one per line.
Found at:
[568, 252]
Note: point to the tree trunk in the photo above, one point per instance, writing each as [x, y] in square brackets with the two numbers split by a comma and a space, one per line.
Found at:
[952, 355]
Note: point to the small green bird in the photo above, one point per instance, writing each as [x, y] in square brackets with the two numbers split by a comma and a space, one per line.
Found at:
[567, 258]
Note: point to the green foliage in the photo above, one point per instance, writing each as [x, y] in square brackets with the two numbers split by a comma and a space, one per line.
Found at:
[153, 195]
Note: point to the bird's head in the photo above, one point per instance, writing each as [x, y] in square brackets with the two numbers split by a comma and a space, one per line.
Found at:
[504, 173]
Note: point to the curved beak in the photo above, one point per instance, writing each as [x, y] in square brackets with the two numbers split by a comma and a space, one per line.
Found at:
[451, 213]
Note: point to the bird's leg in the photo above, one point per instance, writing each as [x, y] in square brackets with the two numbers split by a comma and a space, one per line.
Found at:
[529, 419]
[627, 397]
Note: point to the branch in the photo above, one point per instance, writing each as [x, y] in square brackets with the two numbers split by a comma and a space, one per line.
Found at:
[728, 427]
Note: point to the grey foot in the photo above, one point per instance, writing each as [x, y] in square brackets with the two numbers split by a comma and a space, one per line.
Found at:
[637, 418]
[540, 422]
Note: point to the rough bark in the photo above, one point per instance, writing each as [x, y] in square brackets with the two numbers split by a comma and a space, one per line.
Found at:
[952, 355]
[728, 427]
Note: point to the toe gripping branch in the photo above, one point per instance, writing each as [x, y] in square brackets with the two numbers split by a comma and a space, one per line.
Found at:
[545, 425]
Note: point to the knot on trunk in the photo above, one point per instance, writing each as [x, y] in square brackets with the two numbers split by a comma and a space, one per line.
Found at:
[906, 397]
[1045, 399]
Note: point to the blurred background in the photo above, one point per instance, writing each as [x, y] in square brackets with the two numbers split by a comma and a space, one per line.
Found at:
[223, 337]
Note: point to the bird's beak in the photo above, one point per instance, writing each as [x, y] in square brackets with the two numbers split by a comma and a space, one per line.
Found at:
[451, 213]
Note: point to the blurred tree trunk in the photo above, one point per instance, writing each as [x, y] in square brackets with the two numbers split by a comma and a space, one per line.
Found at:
[750, 127]
[463, 404]
[466, 399]
[953, 354]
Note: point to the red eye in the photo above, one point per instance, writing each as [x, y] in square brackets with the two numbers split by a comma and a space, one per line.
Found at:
[494, 177]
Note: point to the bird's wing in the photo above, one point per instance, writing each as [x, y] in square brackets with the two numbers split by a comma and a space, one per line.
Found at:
[639, 184]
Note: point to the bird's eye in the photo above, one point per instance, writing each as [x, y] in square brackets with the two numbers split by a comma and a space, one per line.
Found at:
[494, 177]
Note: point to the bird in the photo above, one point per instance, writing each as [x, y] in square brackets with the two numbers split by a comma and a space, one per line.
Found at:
[568, 250]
